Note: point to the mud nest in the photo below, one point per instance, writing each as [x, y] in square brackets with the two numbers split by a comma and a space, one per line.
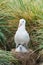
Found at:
[28, 58]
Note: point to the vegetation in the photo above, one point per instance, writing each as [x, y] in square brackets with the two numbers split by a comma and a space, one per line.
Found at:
[10, 13]
[6, 58]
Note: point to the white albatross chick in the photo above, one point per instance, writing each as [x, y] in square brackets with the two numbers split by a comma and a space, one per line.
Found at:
[22, 36]
[21, 49]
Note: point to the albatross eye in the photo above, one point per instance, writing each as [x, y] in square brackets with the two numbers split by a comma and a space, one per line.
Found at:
[23, 21]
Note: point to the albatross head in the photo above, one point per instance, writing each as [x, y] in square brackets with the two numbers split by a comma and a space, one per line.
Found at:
[22, 22]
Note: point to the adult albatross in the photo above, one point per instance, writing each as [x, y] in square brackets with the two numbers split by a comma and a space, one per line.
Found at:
[21, 36]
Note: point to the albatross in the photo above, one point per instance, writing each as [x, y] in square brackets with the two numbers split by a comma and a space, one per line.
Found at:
[21, 49]
[22, 36]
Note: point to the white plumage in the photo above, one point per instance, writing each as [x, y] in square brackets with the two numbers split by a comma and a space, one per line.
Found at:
[21, 49]
[21, 37]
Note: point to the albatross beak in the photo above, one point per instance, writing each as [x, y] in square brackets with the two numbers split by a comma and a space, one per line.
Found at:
[20, 25]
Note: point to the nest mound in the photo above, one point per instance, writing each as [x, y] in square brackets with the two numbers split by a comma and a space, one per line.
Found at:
[27, 58]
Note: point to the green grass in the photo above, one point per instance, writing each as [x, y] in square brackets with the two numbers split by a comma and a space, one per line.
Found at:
[7, 58]
[13, 10]
[10, 13]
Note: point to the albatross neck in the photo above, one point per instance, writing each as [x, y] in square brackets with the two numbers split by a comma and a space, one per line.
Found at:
[21, 27]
